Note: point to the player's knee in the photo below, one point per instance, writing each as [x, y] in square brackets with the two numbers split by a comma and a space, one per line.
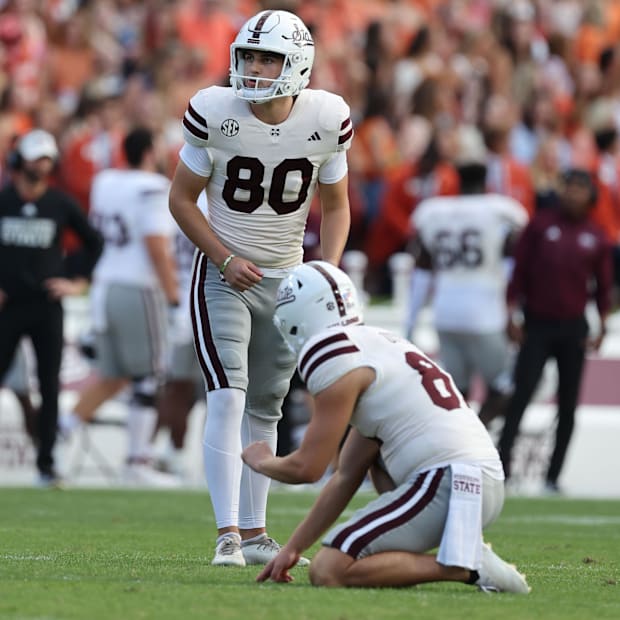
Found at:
[326, 569]
[269, 404]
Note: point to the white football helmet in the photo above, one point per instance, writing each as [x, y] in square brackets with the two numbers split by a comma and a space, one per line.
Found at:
[314, 296]
[280, 32]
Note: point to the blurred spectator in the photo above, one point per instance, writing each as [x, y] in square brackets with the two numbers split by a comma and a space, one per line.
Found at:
[560, 254]
[374, 156]
[606, 211]
[545, 170]
[432, 175]
[505, 174]
[93, 140]
[209, 27]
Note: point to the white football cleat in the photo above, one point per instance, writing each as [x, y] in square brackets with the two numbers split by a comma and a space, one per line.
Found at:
[499, 576]
[263, 550]
[228, 552]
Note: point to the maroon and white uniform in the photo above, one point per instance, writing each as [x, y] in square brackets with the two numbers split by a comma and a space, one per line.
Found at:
[261, 181]
[425, 427]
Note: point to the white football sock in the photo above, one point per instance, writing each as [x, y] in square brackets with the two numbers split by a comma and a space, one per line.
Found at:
[255, 486]
[222, 453]
[141, 423]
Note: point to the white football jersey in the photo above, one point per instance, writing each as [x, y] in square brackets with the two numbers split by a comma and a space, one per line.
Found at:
[126, 206]
[263, 177]
[413, 407]
[465, 236]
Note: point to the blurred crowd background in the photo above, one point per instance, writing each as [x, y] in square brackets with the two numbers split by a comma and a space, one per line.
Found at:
[539, 79]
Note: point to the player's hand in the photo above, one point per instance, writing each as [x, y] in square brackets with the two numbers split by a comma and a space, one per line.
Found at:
[2, 298]
[256, 453]
[277, 569]
[594, 343]
[61, 287]
[242, 274]
[514, 332]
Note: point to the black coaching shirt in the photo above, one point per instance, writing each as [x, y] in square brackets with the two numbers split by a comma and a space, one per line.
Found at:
[31, 235]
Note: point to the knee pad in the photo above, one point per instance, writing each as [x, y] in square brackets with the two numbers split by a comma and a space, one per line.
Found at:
[268, 405]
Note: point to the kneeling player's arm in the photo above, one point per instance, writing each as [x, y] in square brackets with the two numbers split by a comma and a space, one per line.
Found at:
[358, 453]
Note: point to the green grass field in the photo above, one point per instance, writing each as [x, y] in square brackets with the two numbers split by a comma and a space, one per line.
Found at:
[90, 554]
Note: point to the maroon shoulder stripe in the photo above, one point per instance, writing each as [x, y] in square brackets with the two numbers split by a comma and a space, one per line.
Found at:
[203, 135]
[197, 117]
[320, 345]
[324, 358]
[343, 139]
[345, 124]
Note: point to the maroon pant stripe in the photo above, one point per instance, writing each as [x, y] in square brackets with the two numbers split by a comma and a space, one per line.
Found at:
[382, 528]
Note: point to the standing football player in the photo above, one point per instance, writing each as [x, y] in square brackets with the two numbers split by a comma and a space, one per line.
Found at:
[261, 148]
[134, 286]
[464, 246]
[441, 480]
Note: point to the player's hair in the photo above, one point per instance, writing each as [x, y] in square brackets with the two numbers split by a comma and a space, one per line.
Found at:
[472, 178]
[583, 177]
[136, 143]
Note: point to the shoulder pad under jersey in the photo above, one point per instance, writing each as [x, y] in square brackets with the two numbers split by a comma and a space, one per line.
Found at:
[195, 127]
[335, 115]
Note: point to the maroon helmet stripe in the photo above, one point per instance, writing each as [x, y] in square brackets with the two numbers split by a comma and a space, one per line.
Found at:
[324, 358]
[257, 30]
[320, 345]
[342, 311]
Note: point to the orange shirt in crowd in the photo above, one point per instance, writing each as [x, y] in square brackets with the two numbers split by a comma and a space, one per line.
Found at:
[606, 211]
[211, 32]
[374, 152]
[392, 228]
[81, 159]
[513, 179]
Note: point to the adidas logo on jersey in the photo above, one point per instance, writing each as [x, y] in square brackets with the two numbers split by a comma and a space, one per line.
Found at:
[314, 137]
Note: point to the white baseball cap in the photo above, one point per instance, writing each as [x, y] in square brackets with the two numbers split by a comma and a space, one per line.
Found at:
[36, 144]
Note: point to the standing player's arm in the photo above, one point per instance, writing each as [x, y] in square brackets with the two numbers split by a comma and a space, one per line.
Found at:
[420, 284]
[158, 248]
[357, 455]
[335, 219]
[331, 415]
[184, 191]
[186, 187]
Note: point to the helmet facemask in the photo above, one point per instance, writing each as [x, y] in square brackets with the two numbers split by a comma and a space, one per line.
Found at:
[281, 33]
